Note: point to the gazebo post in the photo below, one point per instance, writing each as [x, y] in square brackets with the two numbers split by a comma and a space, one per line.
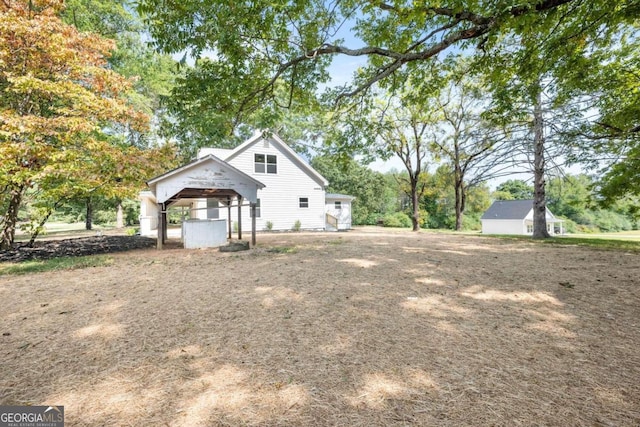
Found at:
[165, 224]
[229, 215]
[253, 224]
[160, 239]
[239, 217]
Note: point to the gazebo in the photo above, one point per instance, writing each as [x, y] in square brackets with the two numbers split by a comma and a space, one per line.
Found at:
[204, 178]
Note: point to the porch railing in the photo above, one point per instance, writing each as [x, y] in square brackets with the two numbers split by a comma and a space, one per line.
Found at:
[332, 220]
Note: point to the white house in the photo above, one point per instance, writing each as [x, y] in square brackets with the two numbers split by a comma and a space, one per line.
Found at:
[515, 217]
[292, 193]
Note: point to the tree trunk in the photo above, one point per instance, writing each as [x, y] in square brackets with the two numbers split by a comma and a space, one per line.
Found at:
[36, 233]
[460, 204]
[89, 218]
[11, 218]
[119, 215]
[539, 198]
[415, 204]
[459, 191]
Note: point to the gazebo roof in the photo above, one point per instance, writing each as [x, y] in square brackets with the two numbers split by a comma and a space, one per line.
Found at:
[207, 177]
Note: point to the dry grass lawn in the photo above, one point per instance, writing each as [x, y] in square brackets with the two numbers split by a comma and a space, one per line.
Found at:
[366, 328]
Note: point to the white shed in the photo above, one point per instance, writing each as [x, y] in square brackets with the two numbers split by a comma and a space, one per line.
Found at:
[338, 211]
[515, 217]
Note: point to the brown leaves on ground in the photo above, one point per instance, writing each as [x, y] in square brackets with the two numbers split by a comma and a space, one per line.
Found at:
[362, 328]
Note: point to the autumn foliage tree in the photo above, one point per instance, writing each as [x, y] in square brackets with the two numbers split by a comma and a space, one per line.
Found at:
[57, 101]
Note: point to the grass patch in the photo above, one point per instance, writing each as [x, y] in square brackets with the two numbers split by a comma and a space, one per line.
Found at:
[338, 241]
[595, 242]
[283, 250]
[64, 263]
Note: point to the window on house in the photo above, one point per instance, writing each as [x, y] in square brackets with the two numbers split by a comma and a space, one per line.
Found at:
[337, 205]
[272, 164]
[257, 210]
[213, 211]
[530, 228]
[265, 163]
[304, 202]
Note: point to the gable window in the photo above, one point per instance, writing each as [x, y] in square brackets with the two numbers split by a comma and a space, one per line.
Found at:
[257, 210]
[304, 202]
[265, 163]
[337, 205]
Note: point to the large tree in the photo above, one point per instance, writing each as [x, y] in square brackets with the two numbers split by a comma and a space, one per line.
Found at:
[56, 97]
[475, 149]
[288, 44]
[152, 77]
[259, 44]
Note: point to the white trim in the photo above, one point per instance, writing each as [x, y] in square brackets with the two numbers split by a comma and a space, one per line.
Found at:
[197, 162]
[295, 156]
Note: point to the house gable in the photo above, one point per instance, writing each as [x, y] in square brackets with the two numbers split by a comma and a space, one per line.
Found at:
[293, 190]
[259, 143]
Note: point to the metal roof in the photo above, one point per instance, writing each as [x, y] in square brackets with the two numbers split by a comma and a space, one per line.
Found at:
[508, 209]
[338, 196]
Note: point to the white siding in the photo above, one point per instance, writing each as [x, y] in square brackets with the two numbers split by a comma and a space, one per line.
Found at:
[279, 200]
[343, 214]
[148, 215]
[503, 226]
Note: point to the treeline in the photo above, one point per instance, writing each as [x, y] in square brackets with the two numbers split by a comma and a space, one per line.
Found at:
[384, 199]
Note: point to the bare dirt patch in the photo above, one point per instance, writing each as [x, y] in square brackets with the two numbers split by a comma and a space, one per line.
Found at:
[361, 328]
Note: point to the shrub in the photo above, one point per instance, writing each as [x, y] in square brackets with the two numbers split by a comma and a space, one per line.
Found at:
[104, 217]
[268, 226]
[398, 219]
[369, 219]
[297, 225]
[471, 222]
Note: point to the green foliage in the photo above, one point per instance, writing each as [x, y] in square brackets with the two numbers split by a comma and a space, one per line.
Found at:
[296, 225]
[471, 222]
[71, 126]
[397, 220]
[269, 225]
[572, 197]
[55, 264]
[374, 198]
[153, 73]
[131, 208]
[104, 217]
[263, 45]
[514, 189]
[265, 55]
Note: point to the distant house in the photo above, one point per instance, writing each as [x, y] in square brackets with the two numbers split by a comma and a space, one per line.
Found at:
[515, 217]
[291, 191]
